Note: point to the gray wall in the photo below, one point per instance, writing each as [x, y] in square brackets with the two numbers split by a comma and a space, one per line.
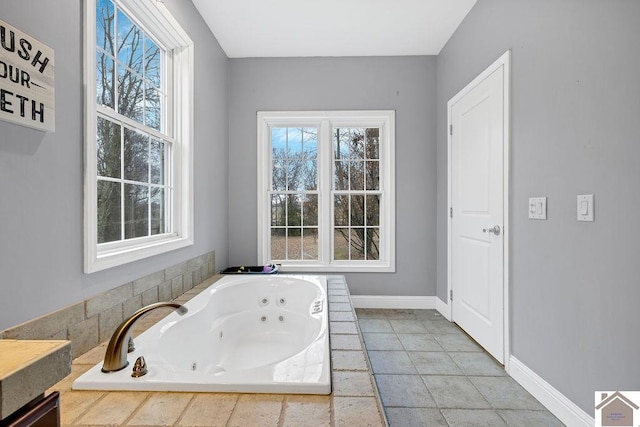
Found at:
[41, 175]
[404, 84]
[575, 109]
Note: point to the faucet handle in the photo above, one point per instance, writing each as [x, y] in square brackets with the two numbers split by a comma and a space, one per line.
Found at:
[139, 368]
[130, 346]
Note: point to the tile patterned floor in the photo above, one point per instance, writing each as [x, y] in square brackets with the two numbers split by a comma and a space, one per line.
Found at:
[430, 373]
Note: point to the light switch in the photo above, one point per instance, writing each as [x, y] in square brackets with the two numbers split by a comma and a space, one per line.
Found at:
[585, 207]
[537, 208]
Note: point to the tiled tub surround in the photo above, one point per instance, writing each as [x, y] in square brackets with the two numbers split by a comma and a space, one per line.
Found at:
[353, 402]
[430, 373]
[245, 333]
[90, 322]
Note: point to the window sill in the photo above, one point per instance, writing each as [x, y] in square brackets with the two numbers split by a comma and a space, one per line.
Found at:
[114, 257]
[347, 267]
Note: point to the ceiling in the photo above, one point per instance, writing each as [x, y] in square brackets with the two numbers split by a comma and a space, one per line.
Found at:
[298, 28]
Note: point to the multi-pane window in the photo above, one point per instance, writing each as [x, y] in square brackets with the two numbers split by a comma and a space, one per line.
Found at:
[129, 67]
[294, 193]
[326, 197]
[131, 183]
[131, 145]
[138, 132]
[356, 193]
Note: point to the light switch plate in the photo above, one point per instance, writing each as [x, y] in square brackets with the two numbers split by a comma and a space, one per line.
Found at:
[585, 207]
[537, 208]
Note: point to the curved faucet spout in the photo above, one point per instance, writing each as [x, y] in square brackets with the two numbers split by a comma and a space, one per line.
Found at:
[115, 357]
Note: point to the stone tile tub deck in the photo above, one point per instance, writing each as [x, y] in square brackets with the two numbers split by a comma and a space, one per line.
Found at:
[353, 402]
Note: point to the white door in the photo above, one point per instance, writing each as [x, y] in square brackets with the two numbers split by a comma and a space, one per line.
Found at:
[478, 118]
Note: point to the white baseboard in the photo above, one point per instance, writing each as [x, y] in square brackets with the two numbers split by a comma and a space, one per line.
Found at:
[557, 403]
[443, 308]
[398, 302]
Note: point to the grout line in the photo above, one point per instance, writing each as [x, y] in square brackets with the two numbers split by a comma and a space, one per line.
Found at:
[186, 408]
[233, 410]
[283, 404]
[137, 409]
[83, 413]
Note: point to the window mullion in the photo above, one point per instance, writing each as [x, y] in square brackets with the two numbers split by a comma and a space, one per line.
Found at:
[166, 64]
[148, 184]
[286, 198]
[122, 186]
[350, 214]
[170, 204]
[325, 179]
[116, 100]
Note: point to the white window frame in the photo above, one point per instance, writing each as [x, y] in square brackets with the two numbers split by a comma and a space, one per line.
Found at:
[155, 19]
[325, 121]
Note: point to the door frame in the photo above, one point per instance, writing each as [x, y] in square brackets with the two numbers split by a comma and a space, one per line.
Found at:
[503, 62]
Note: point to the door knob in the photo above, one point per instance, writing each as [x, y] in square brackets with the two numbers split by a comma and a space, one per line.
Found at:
[495, 230]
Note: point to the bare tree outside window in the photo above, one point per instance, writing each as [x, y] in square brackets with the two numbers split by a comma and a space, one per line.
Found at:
[294, 199]
[132, 191]
[356, 154]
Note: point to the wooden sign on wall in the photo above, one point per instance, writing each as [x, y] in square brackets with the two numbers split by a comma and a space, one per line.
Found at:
[27, 80]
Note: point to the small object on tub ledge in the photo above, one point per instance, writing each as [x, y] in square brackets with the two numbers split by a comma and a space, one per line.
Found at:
[139, 368]
[254, 269]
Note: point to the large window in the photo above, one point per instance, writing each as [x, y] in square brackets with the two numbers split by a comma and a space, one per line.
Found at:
[138, 132]
[325, 191]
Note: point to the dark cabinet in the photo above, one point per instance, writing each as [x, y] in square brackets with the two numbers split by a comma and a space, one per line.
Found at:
[40, 412]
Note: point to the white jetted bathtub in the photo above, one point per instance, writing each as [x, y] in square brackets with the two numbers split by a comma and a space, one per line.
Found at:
[245, 333]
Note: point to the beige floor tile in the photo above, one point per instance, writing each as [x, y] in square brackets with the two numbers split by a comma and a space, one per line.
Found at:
[65, 384]
[75, 403]
[340, 306]
[343, 328]
[345, 342]
[161, 409]
[202, 286]
[191, 293]
[93, 356]
[341, 316]
[210, 410]
[143, 324]
[351, 383]
[113, 409]
[348, 360]
[307, 411]
[338, 298]
[356, 411]
[257, 410]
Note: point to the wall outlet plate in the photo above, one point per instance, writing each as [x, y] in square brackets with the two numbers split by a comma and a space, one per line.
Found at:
[585, 207]
[537, 208]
